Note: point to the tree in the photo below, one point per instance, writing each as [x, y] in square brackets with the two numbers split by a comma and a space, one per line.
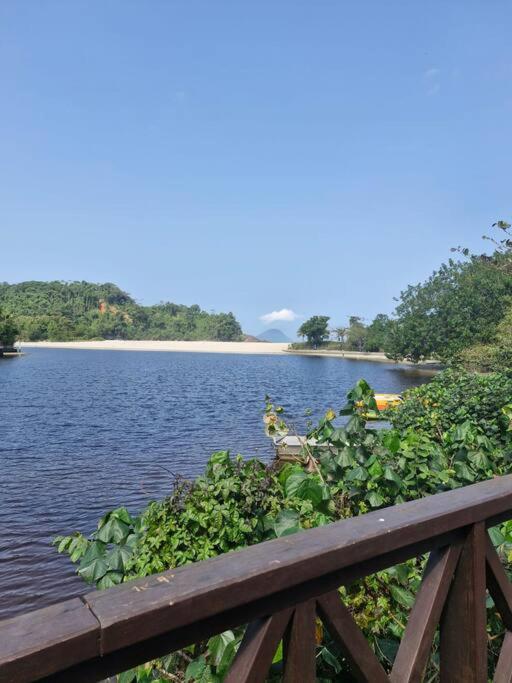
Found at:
[225, 327]
[460, 305]
[8, 329]
[315, 330]
[377, 332]
[86, 310]
[356, 335]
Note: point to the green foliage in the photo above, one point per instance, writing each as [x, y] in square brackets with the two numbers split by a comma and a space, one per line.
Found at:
[377, 333]
[356, 334]
[495, 356]
[315, 330]
[8, 329]
[60, 311]
[459, 305]
[452, 432]
[455, 398]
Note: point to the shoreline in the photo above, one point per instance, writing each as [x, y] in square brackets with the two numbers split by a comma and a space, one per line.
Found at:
[374, 356]
[246, 348]
[249, 348]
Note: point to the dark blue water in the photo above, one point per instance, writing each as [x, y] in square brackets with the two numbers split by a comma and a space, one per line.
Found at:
[82, 432]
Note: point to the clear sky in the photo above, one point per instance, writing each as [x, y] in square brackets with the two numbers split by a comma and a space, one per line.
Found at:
[316, 156]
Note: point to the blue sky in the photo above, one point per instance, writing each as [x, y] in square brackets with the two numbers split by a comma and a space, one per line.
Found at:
[252, 156]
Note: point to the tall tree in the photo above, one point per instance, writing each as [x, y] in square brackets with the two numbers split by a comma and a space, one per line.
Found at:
[315, 330]
[356, 335]
[8, 329]
[377, 332]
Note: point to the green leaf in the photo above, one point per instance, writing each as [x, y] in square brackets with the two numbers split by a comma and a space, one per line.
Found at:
[196, 670]
[463, 471]
[478, 459]
[95, 550]
[391, 441]
[110, 579]
[497, 537]
[330, 659]
[347, 457]
[375, 470]
[94, 570]
[279, 653]
[357, 474]
[123, 515]
[293, 482]
[289, 470]
[113, 531]
[127, 676]
[118, 558]
[218, 644]
[388, 647]
[390, 475]
[402, 596]
[287, 522]
[219, 458]
[305, 487]
[375, 499]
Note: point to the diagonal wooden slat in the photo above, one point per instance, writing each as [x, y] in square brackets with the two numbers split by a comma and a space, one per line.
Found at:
[498, 584]
[257, 649]
[503, 672]
[463, 641]
[414, 650]
[342, 628]
[299, 645]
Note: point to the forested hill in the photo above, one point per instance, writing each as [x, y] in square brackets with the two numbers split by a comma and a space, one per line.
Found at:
[60, 311]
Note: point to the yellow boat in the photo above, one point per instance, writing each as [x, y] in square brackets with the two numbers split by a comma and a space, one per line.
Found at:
[387, 400]
[383, 401]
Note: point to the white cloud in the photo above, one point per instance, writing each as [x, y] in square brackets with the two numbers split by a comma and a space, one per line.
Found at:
[285, 314]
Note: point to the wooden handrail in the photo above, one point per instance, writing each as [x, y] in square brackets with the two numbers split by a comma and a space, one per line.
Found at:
[106, 632]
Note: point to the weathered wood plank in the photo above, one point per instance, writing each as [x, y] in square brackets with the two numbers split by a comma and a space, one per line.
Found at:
[342, 628]
[300, 645]
[414, 650]
[463, 647]
[258, 648]
[499, 585]
[180, 606]
[39, 643]
[142, 609]
[503, 673]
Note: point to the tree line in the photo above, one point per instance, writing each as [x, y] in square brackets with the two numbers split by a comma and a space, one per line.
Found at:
[62, 311]
[461, 314]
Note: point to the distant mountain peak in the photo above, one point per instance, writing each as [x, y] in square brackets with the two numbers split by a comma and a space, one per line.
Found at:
[274, 335]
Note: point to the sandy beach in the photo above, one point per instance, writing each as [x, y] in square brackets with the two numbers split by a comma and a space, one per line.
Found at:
[264, 348]
[250, 348]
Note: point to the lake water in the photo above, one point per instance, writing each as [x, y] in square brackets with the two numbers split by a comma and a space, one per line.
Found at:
[82, 432]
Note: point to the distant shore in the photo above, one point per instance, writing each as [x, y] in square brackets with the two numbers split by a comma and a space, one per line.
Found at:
[261, 348]
[249, 348]
[376, 356]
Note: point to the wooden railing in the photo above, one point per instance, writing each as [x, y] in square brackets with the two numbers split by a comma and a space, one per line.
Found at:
[279, 588]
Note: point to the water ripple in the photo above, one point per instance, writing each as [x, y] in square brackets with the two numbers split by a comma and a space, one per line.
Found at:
[82, 432]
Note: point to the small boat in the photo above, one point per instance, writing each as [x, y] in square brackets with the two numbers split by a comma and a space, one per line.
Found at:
[387, 400]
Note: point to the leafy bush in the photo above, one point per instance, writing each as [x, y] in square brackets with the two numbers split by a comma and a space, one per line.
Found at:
[447, 434]
[453, 398]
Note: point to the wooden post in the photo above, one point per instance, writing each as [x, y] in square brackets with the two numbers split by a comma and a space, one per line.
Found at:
[463, 646]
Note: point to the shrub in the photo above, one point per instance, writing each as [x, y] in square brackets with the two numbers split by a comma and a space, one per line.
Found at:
[447, 434]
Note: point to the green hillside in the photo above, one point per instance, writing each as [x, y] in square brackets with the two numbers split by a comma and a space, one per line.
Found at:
[60, 311]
